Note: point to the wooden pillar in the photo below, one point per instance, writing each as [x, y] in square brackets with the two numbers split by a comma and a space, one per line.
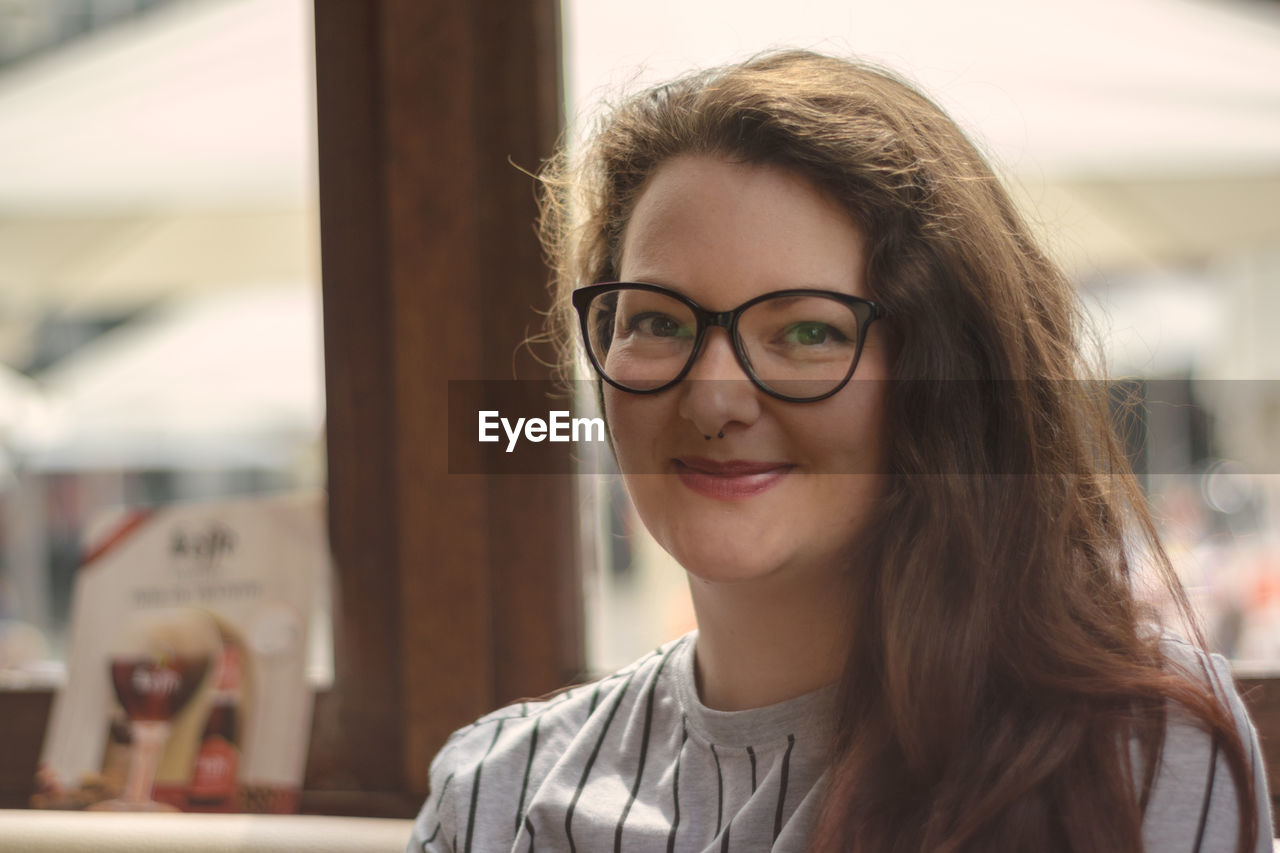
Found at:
[456, 593]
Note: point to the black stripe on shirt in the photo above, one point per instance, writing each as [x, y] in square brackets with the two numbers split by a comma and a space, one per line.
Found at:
[439, 802]
[443, 788]
[675, 787]
[752, 754]
[475, 788]
[524, 787]
[782, 792]
[724, 842]
[719, 790]
[586, 771]
[1208, 795]
[644, 752]
[528, 824]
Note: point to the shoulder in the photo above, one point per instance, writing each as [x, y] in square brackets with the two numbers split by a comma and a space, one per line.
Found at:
[1208, 670]
[509, 750]
[506, 734]
[1195, 795]
[1196, 663]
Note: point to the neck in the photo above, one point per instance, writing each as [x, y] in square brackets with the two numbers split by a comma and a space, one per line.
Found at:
[764, 641]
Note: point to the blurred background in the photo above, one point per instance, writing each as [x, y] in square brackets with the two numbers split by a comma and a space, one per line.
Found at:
[159, 274]
[159, 258]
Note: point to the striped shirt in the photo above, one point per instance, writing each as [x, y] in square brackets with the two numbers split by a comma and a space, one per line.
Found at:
[635, 762]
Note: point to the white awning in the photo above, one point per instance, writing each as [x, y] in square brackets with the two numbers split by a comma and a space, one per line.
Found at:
[1090, 88]
[205, 103]
[226, 380]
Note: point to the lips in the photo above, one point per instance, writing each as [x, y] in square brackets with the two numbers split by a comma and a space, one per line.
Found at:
[733, 479]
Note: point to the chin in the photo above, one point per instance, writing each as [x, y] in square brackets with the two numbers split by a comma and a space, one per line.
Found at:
[729, 556]
[724, 571]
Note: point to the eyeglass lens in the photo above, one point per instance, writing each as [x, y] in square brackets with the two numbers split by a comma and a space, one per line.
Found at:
[796, 346]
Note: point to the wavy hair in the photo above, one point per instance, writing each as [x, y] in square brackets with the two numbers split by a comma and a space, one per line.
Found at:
[1000, 659]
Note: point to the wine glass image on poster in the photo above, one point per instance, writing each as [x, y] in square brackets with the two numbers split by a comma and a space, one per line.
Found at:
[158, 662]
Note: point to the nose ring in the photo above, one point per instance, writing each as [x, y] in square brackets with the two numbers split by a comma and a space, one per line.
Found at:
[718, 435]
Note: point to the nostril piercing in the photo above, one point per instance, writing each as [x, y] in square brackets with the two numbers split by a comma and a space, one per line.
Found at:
[721, 435]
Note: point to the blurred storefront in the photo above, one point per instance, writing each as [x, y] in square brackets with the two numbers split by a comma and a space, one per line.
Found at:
[159, 273]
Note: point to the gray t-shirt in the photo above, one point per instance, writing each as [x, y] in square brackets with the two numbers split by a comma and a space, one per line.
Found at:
[635, 762]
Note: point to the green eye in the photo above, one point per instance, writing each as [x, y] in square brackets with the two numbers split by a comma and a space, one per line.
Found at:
[809, 334]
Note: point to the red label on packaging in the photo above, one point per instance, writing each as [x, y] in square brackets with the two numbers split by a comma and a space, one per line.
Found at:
[214, 776]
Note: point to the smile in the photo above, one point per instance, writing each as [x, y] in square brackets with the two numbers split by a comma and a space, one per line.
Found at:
[730, 480]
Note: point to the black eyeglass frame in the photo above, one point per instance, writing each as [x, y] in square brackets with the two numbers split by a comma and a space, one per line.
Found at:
[864, 310]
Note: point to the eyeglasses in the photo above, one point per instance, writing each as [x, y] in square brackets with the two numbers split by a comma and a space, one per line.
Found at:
[796, 345]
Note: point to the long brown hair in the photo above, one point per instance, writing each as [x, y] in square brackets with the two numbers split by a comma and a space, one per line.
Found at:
[1000, 662]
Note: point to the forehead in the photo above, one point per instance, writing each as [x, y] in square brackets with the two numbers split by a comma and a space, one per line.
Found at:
[720, 230]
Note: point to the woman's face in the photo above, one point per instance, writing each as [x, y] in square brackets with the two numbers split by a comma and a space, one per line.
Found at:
[788, 487]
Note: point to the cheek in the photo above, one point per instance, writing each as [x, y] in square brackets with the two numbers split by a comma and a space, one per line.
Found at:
[848, 436]
[633, 424]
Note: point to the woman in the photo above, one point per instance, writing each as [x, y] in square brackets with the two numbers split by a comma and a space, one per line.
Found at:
[842, 385]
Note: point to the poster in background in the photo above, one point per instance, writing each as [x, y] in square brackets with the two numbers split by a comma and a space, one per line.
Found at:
[186, 665]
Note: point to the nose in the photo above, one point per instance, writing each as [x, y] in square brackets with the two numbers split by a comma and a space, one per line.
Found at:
[717, 395]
